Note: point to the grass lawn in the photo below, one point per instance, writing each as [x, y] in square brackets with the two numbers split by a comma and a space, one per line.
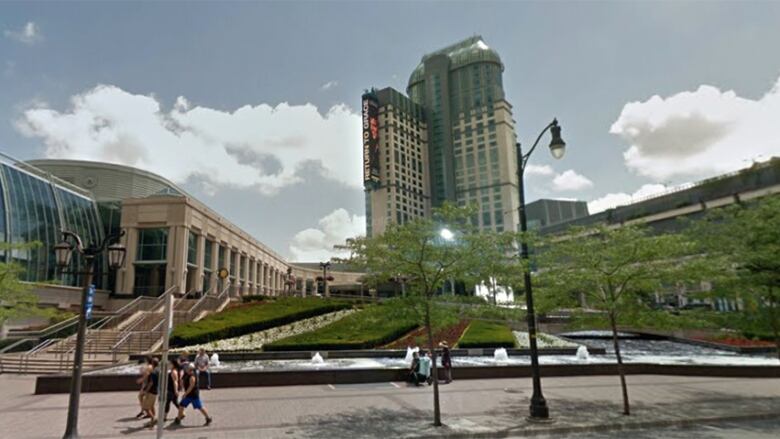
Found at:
[364, 329]
[251, 317]
[481, 334]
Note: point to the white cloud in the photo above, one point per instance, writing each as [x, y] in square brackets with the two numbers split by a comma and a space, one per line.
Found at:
[609, 201]
[261, 146]
[539, 170]
[700, 133]
[570, 181]
[316, 244]
[328, 85]
[30, 33]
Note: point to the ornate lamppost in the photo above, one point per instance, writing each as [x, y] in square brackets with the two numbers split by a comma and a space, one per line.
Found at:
[64, 253]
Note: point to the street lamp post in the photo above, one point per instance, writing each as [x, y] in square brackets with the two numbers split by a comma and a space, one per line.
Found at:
[538, 408]
[64, 252]
[325, 278]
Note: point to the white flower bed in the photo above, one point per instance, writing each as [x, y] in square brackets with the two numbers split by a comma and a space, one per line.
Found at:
[542, 341]
[256, 340]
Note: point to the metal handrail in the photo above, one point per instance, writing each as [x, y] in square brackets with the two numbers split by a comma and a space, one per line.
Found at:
[15, 344]
[49, 329]
[128, 334]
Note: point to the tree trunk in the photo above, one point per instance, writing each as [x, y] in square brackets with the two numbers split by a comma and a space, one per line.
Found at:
[493, 291]
[434, 369]
[621, 372]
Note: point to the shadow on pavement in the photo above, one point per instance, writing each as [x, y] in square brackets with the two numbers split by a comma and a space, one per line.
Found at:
[387, 423]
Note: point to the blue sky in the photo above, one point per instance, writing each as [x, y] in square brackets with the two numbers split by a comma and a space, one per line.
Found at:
[281, 169]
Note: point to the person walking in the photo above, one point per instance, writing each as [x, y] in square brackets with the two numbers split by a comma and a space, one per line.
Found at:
[202, 367]
[150, 393]
[172, 392]
[145, 370]
[191, 396]
[446, 361]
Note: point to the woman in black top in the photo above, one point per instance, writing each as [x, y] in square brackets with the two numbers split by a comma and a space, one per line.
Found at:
[172, 396]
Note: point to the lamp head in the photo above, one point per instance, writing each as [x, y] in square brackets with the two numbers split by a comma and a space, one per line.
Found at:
[557, 145]
[63, 252]
[116, 255]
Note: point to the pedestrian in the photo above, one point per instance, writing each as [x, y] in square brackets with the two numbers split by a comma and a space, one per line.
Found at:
[446, 361]
[191, 396]
[172, 392]
[202, 367]
[425, 367]
[414, 369]
[150, 392]
[144, 370]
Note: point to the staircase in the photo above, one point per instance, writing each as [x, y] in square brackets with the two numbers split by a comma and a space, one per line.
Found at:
[137, 327]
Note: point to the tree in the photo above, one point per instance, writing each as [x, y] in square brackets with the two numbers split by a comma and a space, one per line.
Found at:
[16, 300]
[614, 268]
[745, 240]
[498, 262]
[417, 251]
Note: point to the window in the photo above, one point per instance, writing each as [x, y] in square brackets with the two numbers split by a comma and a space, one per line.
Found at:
[152, 244]
[192, 248]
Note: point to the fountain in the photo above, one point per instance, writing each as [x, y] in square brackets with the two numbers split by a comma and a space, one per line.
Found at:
[500, 355]
[583, 354]
[317, 359]
[410, 353]
[214, 361]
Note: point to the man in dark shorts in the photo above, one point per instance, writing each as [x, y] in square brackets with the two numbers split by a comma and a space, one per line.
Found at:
[191, 395]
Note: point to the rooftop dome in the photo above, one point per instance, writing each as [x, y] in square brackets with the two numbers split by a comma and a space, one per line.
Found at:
[465, 52]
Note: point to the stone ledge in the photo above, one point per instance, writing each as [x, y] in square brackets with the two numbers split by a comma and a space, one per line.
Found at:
[111, 383]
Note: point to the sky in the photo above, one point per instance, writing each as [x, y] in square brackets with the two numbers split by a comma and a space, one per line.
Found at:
[252, 107]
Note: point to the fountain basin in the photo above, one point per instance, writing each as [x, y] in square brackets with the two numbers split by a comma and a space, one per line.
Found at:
[48, 384]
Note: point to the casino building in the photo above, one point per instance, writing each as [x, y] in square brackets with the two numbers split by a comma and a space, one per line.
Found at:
[450, 138]
[173, 240]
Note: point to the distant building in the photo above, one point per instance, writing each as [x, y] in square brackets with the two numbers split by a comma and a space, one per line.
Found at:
[545, 212]
[662, 211]
[173, 240]
[451, 140]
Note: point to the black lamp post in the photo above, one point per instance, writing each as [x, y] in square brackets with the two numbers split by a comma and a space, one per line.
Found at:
[538, 408]
[64, 253]
[325, 278]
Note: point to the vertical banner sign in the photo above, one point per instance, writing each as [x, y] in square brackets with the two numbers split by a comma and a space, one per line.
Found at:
[90, 301]
[370, 138]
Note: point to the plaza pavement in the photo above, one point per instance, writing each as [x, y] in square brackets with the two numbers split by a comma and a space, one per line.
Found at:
[473, 408]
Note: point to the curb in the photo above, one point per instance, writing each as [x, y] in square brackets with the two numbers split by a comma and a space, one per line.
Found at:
[520, 432]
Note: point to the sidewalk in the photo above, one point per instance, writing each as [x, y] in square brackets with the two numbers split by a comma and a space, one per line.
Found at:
[476, 408]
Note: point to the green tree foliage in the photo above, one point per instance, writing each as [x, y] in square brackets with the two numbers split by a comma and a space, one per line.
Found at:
[16, 299]
[616, 269]
[417, 251]
[744, 240]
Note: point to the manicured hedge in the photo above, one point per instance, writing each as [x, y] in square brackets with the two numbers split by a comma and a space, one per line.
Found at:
[364, 329]
[481, 334]
[251, 317]
[255, 298]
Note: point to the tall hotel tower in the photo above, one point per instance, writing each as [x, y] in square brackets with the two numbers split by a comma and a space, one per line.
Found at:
[452, 139]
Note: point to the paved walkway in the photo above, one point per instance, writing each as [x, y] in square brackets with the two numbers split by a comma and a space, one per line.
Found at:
[474, 408]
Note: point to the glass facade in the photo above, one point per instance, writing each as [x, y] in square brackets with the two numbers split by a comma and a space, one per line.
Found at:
[35, 210]
[150, 262]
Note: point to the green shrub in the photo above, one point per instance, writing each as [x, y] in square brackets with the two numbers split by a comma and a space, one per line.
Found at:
[256, 298]
[364, 329]
[481, 334]
[251, 317]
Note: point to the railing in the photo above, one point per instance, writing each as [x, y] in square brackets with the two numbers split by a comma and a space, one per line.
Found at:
[139, 334]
